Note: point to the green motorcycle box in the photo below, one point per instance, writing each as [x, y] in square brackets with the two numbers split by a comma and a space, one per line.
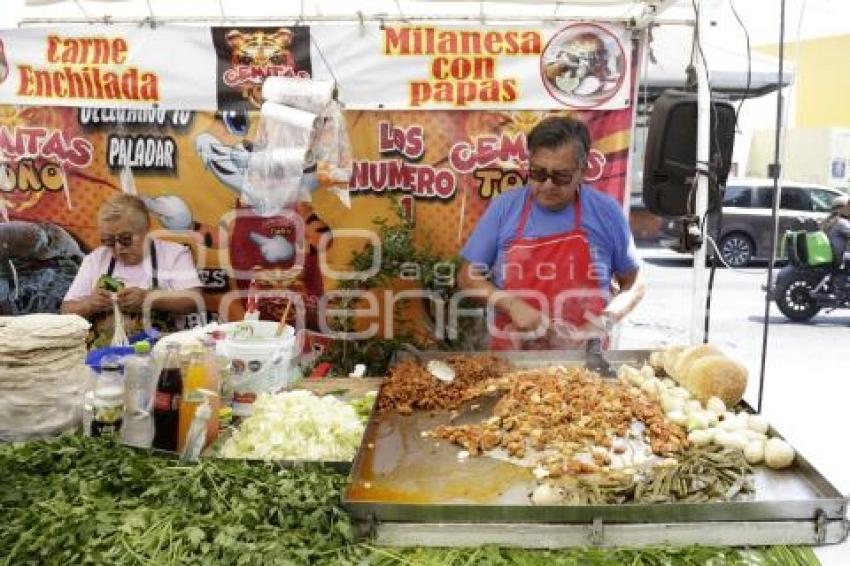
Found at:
[809, 249]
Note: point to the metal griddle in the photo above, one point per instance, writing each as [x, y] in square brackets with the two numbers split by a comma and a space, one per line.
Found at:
[405, 489]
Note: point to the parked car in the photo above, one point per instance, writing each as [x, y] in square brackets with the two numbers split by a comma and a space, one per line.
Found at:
[747, 221]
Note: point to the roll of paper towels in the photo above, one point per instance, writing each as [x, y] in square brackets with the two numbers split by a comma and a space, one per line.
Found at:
[288, 116]
[306, 94]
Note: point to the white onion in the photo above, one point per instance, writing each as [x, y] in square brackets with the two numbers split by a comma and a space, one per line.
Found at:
[730, 439]
[778, 454]
[700, 437]
[656, 360]
[738, 440]
[758, 424]
[697, 420]
[651, 386]
[671, 403]
[753, 435]
[716, 405]
[731, 424]
[693, 406]
[681, 392]
[678, 417]
[545, 494]
[754, 452]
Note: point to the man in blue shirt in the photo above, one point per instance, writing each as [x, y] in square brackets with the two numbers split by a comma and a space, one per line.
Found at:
[555, 258]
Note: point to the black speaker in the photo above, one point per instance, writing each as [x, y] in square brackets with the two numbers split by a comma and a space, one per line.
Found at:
[671, 145]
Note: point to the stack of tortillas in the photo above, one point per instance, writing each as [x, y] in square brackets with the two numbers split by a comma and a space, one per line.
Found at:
[42, 374]
[704, 371]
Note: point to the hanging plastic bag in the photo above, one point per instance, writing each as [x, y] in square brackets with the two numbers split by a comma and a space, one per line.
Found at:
[119, 335]
[329, 161]
[276, 165]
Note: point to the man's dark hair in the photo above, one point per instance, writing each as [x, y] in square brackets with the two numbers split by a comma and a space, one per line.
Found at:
[556, 131]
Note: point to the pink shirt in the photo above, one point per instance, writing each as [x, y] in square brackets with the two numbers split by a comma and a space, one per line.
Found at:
[175, 270]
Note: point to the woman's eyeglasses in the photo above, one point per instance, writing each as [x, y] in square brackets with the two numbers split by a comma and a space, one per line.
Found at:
[558, 176]
[124, 238]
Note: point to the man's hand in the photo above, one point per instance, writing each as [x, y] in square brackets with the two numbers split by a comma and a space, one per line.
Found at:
[595, 327]
[524, 317]
[131, 299]
[99, 301]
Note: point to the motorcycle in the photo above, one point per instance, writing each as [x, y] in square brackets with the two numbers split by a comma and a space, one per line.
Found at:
[803, 291]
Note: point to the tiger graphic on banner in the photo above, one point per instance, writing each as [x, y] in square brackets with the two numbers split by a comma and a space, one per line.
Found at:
[247, 56]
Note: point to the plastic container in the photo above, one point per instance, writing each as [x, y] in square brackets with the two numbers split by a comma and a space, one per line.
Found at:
[108, 400]
[197, 437]
[94, 357]
[166, 406]
[138, 427]
[88, 400]
[225, 391]
[201, 375]
[260, 362]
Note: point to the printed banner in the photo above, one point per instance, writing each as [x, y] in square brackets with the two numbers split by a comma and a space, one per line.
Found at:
[574, 66]
[61, 164]
[108, 66]
[447, 166]
[398, 67]
[437, 118]
[247, 55]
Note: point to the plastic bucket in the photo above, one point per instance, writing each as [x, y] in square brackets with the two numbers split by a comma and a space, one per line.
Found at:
[260, 361]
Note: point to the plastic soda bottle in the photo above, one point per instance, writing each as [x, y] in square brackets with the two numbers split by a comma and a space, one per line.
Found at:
[138, 427]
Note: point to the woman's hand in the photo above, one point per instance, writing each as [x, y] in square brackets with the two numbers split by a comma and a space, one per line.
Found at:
[99, 301]
[131, 299]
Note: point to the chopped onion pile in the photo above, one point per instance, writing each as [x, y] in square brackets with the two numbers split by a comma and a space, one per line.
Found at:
[297, 425]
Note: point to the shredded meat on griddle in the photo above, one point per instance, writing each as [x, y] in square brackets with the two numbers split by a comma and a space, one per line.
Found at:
[565, 411]
[410, 386]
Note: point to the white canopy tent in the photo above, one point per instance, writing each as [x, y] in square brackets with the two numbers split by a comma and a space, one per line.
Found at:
[672, 22]
[669, 24]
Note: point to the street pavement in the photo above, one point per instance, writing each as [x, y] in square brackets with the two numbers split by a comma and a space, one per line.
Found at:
[807, 375]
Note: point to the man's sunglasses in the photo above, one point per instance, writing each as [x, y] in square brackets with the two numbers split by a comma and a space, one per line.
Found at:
[558, 176]
[124, 238]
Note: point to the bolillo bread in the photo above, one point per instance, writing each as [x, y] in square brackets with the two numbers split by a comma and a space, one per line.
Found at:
[689, 356]
[716, 376]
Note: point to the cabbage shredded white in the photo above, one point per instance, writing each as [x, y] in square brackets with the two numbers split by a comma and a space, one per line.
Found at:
[297, 425]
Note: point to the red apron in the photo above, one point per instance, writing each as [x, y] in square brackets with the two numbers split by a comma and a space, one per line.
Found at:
[558, 267]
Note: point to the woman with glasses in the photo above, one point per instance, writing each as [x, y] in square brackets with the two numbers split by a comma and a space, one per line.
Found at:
[140, 264]
[555, 259]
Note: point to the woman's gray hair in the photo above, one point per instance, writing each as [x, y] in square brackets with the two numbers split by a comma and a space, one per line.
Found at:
[131, 206]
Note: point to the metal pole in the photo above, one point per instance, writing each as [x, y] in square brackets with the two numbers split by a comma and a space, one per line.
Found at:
[698, 281]
[340, 18]
[775, 213]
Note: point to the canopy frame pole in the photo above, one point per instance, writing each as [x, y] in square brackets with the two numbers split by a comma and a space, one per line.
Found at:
[698, 280]
[777, 193]
[344, 18]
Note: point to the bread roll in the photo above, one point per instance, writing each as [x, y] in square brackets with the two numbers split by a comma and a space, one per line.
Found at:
[671, 354]
[716, 376]
[687, 358]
